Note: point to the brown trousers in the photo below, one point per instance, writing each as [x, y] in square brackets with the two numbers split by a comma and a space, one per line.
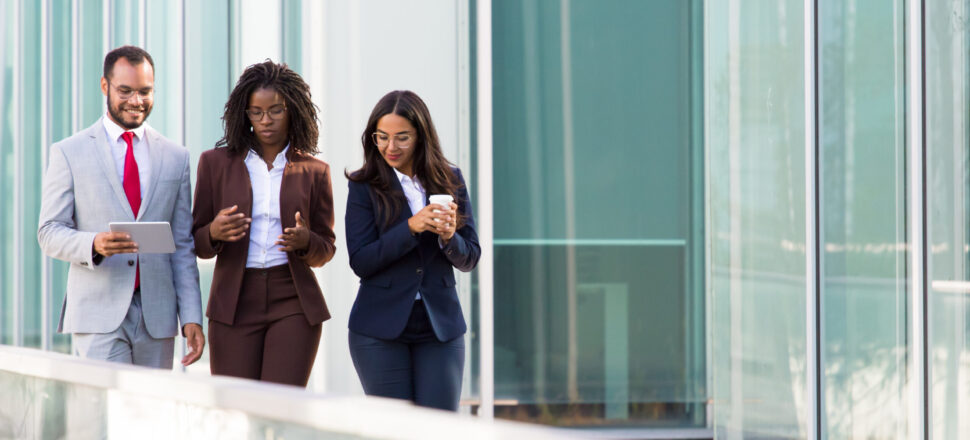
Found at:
[270, 339]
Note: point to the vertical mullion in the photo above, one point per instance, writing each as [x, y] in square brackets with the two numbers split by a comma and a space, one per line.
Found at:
[105, 27]
[143, 24]
[917, 211]
[45, 275]
[283, 23]
[18, 174]
[486, 287]
[75, 68]
[182, 69]
[463, 79]
[812, 225]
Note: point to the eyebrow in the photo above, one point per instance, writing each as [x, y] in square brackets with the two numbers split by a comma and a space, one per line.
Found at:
[395, 134]
[270, 107]
[143, 89]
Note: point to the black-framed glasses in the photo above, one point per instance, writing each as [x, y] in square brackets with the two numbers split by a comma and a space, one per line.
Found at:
[275, 113]
[125, 93]
[402, 140]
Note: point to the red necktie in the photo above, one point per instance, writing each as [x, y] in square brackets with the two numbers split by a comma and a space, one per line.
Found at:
[132, 186]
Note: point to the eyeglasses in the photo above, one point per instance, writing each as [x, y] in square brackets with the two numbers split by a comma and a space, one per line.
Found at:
[275, 113]
[402, 140]
[125, 93]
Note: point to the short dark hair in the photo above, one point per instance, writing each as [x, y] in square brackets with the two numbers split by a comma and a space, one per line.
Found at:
[134, 55]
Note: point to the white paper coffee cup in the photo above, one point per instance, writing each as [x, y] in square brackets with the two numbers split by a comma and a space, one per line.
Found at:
[443, 200]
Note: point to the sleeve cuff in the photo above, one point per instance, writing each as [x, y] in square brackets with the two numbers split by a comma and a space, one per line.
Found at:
[92, 258]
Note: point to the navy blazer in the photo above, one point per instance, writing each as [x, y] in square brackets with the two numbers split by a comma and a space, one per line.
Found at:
[393, 265]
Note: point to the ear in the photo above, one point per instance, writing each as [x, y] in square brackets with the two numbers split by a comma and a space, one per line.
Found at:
[104, 86]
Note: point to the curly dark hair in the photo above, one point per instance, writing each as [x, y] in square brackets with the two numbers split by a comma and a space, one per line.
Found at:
[303, 130]
[430, 165]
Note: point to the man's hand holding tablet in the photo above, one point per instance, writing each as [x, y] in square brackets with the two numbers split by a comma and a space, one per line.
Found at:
[146, 237]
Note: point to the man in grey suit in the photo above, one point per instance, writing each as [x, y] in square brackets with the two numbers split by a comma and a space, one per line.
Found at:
[123, 306]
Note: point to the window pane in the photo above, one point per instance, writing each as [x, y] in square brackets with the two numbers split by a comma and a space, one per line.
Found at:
[863, 187]
[125, 28]
[60, 120]
[755, 122]
[7, 132]
[948, 216]
[29, 173]
[598, 304]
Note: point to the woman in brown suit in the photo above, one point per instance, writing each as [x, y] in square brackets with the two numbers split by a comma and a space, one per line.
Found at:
[264, 209]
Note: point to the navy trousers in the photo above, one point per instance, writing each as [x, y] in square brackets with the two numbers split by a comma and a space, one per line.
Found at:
[415, 366]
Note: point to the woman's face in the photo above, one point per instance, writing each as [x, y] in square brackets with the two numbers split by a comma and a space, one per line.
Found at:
[396, 138]
[269, 116]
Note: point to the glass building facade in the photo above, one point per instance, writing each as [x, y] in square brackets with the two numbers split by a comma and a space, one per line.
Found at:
[741, 216]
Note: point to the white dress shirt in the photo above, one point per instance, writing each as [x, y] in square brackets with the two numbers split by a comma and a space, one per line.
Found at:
[266, 225]
[119, 148]
[415, 195]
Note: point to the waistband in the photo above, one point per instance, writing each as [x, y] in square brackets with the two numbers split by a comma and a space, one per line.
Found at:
[275, 270]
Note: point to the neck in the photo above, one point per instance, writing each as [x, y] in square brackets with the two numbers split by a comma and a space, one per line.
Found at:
[409, 171]
[118, 123]
[270, 152]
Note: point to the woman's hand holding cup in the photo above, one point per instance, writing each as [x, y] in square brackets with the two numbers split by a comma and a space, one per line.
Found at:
[436, 217]
[447, 213]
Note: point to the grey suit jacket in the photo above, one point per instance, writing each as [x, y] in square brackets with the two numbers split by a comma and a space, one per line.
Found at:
[81, 195]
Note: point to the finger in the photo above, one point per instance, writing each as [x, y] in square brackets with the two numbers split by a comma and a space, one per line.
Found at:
[229, 210]
[235, 237]
[236, 231]
[235, 223]
[299, 219]
[117, 236]
[115, 245]
[193, 355]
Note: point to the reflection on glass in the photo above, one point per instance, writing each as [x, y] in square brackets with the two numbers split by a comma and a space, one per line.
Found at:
[947, 131]
[862, 187]
[599, 314]
[754, 88]
[9, 20]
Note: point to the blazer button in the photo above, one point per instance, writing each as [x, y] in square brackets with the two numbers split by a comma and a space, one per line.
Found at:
[419, 271]
[131, 262]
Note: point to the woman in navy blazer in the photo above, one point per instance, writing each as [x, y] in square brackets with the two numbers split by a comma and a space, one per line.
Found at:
[406, 326]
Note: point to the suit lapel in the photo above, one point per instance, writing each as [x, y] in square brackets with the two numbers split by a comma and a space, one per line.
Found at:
[241, 186]
[288, 197]
[102, 149]
[405, 213]
[154, 143]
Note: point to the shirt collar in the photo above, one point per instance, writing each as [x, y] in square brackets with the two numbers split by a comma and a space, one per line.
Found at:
[404, 178]
[114, 130]
[279, 162]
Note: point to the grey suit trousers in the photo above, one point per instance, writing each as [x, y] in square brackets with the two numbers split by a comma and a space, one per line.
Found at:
[130, 343]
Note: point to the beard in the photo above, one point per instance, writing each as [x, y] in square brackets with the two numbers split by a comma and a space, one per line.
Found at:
[119, 112]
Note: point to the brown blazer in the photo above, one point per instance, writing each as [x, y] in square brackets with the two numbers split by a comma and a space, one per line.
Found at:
[223, 181]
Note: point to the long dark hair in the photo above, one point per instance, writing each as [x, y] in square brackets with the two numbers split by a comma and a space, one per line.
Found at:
[302, 131]
[429, 164]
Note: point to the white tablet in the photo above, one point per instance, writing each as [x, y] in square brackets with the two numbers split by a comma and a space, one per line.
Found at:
[152, 237]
